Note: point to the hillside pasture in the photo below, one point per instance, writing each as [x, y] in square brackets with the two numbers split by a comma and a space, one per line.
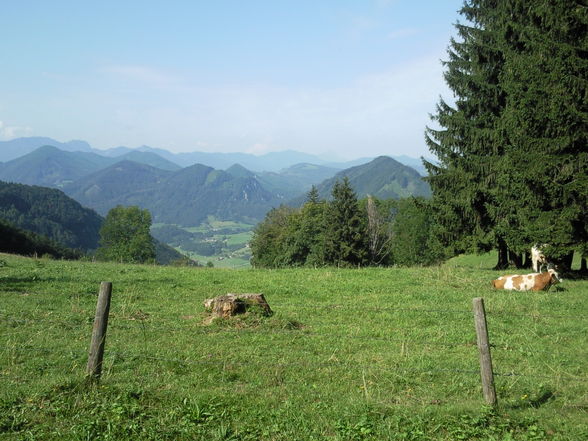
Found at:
[350, 354]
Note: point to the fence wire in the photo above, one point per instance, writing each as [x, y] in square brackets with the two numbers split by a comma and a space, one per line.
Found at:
[147, 322]
[225, 363]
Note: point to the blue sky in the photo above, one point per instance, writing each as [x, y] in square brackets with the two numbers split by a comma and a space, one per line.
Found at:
[338, 78]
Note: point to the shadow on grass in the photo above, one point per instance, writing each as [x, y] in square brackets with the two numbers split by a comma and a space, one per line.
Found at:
[543, 396]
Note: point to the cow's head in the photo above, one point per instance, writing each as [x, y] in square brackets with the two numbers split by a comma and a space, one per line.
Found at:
[554, 276]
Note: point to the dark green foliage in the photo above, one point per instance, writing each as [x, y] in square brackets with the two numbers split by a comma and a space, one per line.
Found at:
[50, 213]
[204, 248]
[13, 240]
[513, 165]
[468, 143]
[184, 261]
[175, 236]
[546, 79]
[269, 243]
[412, 240]
[125, 237]
[345, 233]
[313, 195]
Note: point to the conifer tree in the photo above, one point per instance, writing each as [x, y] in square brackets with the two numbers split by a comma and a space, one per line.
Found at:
[345, 235]
[313, 195]
[546, 78]
[467, 144]
[512, 154]
[311, 232]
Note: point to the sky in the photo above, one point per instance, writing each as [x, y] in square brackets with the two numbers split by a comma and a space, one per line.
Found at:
[341, 79]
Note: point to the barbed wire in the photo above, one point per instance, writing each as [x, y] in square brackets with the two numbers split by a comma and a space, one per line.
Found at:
[148, 325]
[331, 363]
[580, 314]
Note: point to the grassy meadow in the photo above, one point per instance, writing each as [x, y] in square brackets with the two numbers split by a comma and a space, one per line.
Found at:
[349, 354]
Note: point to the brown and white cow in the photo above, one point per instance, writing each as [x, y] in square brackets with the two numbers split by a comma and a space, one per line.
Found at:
[528, 282]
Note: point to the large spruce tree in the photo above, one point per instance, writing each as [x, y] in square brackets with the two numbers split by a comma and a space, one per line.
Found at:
[545, 46]
[346, 241]
[512, 148]
[467, 142]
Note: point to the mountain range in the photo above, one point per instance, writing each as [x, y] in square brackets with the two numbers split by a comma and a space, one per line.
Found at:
[384, 178]
[270, 162]
[179, 197]
[187, 196]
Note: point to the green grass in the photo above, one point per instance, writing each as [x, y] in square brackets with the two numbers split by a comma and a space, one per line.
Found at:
[239, 238]
[348, 355]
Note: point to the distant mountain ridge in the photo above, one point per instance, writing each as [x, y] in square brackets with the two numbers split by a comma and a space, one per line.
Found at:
[188, 195]
[184, 197]
[272, 162]
[384, 178]
[18, 147]
[288, 182]
[52, 167]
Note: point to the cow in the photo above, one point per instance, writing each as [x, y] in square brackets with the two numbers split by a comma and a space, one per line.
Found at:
[537, 257]
[528, 282]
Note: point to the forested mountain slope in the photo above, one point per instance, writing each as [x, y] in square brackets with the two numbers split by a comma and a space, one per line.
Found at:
[51, 213]
[384, 178]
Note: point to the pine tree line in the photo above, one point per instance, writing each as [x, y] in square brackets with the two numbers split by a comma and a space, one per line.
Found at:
[346, 232]
[512, 157]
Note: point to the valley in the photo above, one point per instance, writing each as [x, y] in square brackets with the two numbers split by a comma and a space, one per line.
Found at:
[222, 244]
[204, 210]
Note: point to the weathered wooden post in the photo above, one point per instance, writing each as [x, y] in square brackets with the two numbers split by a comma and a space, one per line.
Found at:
[484, 347]
[96, 353]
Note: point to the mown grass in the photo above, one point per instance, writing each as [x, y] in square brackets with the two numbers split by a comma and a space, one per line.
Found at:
[350, 354]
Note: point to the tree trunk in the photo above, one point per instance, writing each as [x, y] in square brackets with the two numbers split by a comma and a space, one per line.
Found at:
[528, 261]
[565, 263]
[515, 259]
[502, 256]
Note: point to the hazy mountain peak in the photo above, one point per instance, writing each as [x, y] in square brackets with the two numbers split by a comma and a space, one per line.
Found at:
[238, 171]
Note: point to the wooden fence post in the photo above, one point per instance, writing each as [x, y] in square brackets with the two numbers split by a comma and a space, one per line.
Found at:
[484, 347]
[96, 353]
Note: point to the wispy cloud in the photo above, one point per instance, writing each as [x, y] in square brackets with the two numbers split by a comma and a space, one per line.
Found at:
[11, 132]
[384, 111]
[144, 74]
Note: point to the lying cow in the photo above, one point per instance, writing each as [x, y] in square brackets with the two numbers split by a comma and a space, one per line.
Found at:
[537, 257]
[528, 282]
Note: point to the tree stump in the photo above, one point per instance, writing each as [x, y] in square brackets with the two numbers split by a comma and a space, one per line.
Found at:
[230, 305]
